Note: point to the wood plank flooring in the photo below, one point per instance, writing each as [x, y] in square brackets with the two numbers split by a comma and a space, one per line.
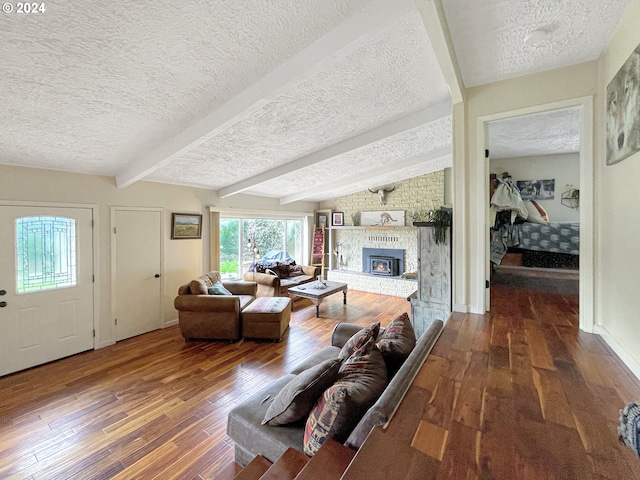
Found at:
[517, 393]
[520, 393]
[154, 406]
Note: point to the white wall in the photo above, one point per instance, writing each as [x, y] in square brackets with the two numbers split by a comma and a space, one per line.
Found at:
[484, 103]
[564, 169]
[617, 234]
[183, 259]
[618, 266]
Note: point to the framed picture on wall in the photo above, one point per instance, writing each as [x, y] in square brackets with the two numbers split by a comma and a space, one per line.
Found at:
[185, 226]
[391, 218]
[337, 219]
[537, 189]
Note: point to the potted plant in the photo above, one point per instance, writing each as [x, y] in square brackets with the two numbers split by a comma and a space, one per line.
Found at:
[441, 220]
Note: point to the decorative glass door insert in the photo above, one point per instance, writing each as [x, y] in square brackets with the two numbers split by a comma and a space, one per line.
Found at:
[46, 253]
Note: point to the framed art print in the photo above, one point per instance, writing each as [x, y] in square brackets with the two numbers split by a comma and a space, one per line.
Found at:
[186, 225]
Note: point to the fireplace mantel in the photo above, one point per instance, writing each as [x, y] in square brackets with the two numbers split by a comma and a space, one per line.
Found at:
[371, 227]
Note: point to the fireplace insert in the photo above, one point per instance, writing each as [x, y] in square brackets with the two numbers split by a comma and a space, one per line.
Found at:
[379, 265]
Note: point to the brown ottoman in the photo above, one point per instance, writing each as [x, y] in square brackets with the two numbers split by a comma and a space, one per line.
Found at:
[266, 317]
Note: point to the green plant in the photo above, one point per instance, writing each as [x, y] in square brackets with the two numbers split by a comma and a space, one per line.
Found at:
[441, 220]
[229, 267]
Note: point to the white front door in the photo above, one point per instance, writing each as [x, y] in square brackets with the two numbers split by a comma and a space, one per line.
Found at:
[137, 281]
[46, 285]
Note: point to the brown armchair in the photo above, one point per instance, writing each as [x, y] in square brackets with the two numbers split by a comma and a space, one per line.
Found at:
[212, 317]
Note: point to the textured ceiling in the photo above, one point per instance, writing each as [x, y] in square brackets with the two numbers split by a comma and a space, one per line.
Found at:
[556, 131]
[295, 99]
[379, 83]
[493, 38]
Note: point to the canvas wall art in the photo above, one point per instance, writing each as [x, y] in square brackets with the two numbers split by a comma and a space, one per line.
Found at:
[537, 189]
[623, 110]
[382, 219]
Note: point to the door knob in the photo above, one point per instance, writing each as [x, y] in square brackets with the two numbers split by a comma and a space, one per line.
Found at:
[3, 292]
[3, 304]
[157, 275]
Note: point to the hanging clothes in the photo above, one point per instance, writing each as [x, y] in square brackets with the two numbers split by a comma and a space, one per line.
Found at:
[506, 200]
[507, 197]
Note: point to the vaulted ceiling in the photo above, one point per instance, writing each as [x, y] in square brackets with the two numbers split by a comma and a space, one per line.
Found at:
[294, 99]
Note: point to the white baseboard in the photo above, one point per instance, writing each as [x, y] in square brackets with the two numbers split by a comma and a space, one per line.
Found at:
[171, 323]
[624, 355]
[460, 307]
[105, 344]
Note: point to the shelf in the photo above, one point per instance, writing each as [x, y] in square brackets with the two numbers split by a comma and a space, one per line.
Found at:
[371, 227]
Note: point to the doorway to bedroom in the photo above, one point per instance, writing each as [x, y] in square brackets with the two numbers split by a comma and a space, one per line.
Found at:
[533, 209]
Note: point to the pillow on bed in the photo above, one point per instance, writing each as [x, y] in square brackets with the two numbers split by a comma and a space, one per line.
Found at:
[537, 214]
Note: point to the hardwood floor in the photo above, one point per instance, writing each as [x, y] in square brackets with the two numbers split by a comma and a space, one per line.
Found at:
[520, 393]
[517, 393]
[154, 406]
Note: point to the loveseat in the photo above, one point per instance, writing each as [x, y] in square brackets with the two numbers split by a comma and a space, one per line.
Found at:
[275, 280]
[203, 315]
[246, 422]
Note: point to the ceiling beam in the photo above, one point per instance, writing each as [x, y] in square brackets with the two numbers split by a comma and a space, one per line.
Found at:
[438, 153]
[435, 22]
[340, 42]
[390, 129]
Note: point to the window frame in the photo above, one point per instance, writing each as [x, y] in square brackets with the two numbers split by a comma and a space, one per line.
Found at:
[242, 237]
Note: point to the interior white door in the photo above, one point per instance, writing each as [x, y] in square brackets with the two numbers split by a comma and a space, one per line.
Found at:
[138, 236]
[46, 285]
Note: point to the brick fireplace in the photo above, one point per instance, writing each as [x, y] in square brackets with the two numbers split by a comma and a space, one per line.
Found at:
[357, 245]
[383, 261]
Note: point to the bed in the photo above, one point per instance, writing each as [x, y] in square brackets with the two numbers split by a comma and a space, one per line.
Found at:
[546, 245]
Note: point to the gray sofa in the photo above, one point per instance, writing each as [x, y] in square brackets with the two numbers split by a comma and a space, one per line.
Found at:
[252, 438]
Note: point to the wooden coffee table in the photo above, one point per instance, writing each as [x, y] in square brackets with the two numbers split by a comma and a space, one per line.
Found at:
[316, 295]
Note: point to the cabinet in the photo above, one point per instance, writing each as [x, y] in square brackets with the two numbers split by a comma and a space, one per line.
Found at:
[433, 299]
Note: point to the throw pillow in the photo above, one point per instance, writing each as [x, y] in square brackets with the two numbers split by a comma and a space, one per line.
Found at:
[537, 214]
[295, 270]
[359, 339]
[397, 342]
[298, 397]
[283, 270]
[218, 289]
[363, 378]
